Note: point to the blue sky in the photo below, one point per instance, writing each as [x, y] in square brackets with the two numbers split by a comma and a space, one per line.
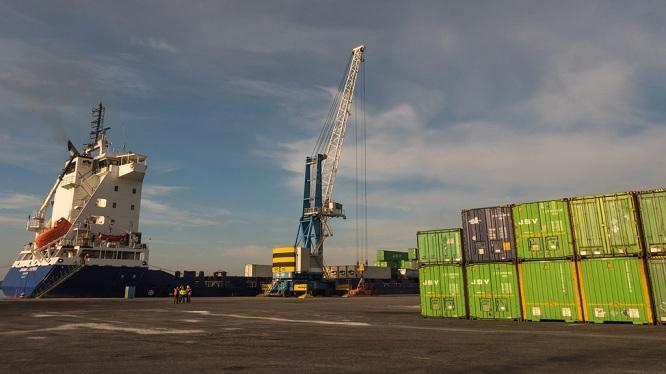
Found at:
[468, 104]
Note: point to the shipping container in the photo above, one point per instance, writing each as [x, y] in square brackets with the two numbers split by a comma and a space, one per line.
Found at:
[488, 235]
[408, 264]
[549, 290]
[391, 256]
[254, 270]
[614, 290]
[543, 230]
[439, 246]
[442, 291]
[413, 254]
[657, 267]
[606, 225]
[653, 217]
[492, 291]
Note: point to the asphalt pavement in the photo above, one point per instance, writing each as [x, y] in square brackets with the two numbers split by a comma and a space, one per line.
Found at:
[366, 334]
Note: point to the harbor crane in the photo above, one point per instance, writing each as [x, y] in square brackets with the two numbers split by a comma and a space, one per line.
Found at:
[301, 267]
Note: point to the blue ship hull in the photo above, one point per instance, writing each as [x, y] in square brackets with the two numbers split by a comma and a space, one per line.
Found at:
[111, 281]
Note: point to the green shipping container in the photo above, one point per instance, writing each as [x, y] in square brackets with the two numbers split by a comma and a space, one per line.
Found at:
[407, 264]
[614, 290]
[492, 291]
[412, 254]
[543, 230]
[442, 290]
[549, 291]
[657, 267]
[605, 226]
[653, 217]
[439, 246]
[382, 264]
[391, 256]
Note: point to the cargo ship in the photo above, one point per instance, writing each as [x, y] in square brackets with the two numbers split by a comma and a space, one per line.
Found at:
[87, 240]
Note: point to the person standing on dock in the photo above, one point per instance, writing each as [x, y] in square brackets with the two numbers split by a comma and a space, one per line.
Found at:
[182, 294]
[175, 295]
[189, 293]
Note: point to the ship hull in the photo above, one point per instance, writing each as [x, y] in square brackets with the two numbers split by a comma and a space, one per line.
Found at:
[111, 282]
[22, 282]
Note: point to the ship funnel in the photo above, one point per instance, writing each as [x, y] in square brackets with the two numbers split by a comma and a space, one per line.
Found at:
[73, 152]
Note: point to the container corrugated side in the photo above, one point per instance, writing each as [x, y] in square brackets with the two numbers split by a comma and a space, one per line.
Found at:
[606, 225]
[440, 246]
[614, 290]
[549, 291]
[488, 235]
[657, 266]
[653, 218]
[442, 291]
[492, 291]
[543, 230]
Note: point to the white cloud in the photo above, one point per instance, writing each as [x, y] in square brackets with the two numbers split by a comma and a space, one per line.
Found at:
[12, 220]
[153, 43]
[599, 96]
[19, 201]
[161, 214]
[153, 190]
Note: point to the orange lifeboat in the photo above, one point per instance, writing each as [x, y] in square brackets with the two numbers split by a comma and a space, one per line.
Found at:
[59, 229]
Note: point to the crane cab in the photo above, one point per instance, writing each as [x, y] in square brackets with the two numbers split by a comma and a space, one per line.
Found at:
[333, 209]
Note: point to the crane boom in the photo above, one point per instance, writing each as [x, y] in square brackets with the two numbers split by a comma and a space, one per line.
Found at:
[341, 119]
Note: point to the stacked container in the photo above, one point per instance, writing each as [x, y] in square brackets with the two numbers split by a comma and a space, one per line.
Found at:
[614, 287]
[546, 266]
[391, 259]
[653, 218]
[489, 256]
[441, 273]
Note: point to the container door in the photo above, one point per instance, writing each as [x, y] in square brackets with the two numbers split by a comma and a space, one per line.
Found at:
[653, 217]
[615, 290]
[475, 230]
[588, 227]
[621, 225]
[479, 292]
[658, 280]
[504, 283]
[500, 233]
[555, 224]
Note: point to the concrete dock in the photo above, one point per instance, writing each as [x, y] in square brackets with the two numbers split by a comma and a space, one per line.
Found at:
[371, 334]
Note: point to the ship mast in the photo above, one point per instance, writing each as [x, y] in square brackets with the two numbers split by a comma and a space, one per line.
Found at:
[98, 131]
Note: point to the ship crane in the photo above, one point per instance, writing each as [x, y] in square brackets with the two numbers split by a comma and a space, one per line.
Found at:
[319, 206]
[321, 168]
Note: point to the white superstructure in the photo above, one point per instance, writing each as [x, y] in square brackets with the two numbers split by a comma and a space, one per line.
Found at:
[94, 209]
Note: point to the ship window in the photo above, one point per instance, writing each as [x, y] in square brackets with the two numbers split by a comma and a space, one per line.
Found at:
[132, 207]
[100, 220]
[113, 205]
[134, 190]
[115, 188]
[101, 203]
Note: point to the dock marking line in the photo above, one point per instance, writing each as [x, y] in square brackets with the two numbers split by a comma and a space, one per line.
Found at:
[278, 319]
[105, 327]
